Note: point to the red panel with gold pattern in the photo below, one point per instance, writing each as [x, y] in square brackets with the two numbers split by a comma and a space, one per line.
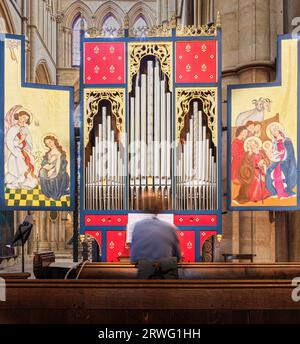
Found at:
[187, 245]
[105, 220]
[195, 220]
[115, 245]
[97, 235]
[196, 62]
[205, 235]
[104, 63]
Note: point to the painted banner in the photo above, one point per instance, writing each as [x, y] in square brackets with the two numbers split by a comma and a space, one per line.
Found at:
[263, 145]
[37, 143]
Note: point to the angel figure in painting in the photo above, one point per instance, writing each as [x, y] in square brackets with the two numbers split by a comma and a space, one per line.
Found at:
[20, 168]
[282, 173]
[53, 175]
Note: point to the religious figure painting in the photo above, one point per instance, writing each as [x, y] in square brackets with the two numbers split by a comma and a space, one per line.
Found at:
[37, 153]
[263, 136]
[263, 164]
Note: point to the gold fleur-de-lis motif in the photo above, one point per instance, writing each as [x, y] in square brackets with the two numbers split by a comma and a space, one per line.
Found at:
[96, 69]
[204, 67]
[188, 48]
[111, 245]
[189, 245]
[203, 48]
[112, 49]
[188, 68]
[96, 49]
[112, 69]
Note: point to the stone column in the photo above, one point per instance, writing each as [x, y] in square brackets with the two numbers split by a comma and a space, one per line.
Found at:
[246, 59]
[33, 15]
[164, 11]
[187, 13]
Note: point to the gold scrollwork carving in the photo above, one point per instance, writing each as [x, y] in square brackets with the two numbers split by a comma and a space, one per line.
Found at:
[136, 51]
[92, 100]
[93, 32]
[194, 30]
[208, 97]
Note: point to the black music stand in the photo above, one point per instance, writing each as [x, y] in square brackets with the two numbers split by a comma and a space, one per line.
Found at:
[22, 235]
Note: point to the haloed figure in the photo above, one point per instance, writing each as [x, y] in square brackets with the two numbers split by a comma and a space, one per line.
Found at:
[53, 175]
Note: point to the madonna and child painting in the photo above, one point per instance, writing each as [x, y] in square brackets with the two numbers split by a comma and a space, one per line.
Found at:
[263, 159]
[32, 165]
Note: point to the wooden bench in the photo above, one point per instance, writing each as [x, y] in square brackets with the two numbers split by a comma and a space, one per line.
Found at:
[149, 302]
[15, 275]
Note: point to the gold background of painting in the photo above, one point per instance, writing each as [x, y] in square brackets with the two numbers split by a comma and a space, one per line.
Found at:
[284, 101]
[50, 108]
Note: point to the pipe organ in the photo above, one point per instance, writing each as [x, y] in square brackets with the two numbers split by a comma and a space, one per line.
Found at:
[104, 171]
[150, 136]
[151, 121]
[196, 167]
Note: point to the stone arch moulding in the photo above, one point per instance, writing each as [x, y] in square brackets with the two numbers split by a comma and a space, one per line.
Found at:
[106, 9]
[74, 10]
[5, 14]
[140, 9]
[42, 75]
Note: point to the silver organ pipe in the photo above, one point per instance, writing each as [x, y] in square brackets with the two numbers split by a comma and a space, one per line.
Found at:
[150, 136]
[196, 168]
[104, 172]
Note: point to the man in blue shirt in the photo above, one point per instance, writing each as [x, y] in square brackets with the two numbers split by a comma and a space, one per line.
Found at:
[155, 245]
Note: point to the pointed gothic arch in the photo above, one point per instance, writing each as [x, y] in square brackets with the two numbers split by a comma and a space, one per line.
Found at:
[42, 75]
[78, 8]
[6, 22]
[107, 9]
[140, 9]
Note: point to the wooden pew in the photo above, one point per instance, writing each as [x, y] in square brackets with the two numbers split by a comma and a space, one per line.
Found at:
[149, 302]
[44, 267]
[198, 271]
[15, 275]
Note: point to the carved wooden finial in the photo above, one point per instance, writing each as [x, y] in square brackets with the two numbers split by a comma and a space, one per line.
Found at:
[218, 21]
[173, 20]
[126, 21]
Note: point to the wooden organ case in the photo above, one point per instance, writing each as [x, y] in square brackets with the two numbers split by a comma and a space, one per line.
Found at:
[151, 120]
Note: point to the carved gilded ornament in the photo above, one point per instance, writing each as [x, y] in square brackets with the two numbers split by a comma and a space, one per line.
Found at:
[164, 30]
[92, 100]
[136, 52]
[208, 97]
[94, 32]
[194, 30]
